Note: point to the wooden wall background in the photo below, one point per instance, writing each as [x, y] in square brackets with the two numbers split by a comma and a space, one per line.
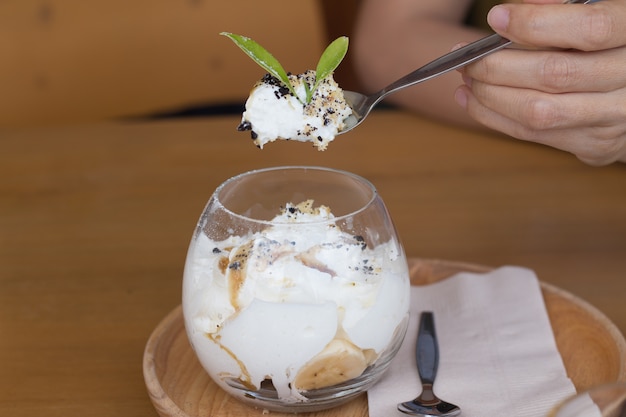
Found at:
[72, 61]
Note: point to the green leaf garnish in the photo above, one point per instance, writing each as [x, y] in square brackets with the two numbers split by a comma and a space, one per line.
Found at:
[328, 62]
[330, 59]
[262, 57]
[308, 92]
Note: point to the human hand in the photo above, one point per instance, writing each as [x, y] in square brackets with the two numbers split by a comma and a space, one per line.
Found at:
[572, 98]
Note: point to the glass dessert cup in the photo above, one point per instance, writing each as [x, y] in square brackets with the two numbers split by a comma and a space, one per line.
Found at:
[288, 307]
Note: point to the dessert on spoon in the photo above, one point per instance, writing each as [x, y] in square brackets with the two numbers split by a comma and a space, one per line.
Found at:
[307, 107]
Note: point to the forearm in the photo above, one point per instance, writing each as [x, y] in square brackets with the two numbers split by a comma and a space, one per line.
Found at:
[388, 46]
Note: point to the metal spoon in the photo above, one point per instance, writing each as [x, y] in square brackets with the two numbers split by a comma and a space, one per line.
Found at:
[362, 104]
[427, 404]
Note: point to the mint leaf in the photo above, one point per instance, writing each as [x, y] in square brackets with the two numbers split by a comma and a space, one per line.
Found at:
[330, 59]
[307, 91]
[262, 57]
[328, 62]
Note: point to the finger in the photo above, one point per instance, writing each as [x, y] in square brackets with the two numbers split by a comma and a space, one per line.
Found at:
[592, 145]
[585, 27]
[553, 71]
[543, 111]
[543, 1]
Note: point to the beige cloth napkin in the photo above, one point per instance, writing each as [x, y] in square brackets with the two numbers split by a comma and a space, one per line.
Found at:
[497, 353]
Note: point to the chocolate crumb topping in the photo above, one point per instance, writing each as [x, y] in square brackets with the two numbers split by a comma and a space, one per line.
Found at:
[245, 125]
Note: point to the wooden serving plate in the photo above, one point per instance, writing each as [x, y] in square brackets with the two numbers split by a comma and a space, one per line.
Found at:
[592, 348]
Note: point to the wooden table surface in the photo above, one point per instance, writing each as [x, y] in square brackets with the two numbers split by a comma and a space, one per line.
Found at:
[95, 221]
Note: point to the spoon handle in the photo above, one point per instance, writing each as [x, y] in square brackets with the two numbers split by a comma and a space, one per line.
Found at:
[450, 61]
[455, 59]
[427, 351]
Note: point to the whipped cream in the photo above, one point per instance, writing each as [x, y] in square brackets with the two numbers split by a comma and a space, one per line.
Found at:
[301, 303]
[272, 112]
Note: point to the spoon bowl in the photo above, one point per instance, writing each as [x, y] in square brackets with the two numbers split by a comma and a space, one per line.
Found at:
[429, 405]
[427, 353]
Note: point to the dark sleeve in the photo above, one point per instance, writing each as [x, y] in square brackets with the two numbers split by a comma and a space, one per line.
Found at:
[477, 15]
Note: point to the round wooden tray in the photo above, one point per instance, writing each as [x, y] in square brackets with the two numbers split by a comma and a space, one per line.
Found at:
[593, 350]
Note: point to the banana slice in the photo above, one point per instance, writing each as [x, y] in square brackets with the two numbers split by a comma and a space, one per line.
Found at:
[338, 362]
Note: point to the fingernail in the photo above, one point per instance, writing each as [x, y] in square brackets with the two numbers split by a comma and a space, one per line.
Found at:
[498, 18]
[460, 96]
[457, 46]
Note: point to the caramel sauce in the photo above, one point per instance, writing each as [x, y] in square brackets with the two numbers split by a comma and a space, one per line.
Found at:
[314, 263]
[245, 379]
[222, 264]
[236, 273]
